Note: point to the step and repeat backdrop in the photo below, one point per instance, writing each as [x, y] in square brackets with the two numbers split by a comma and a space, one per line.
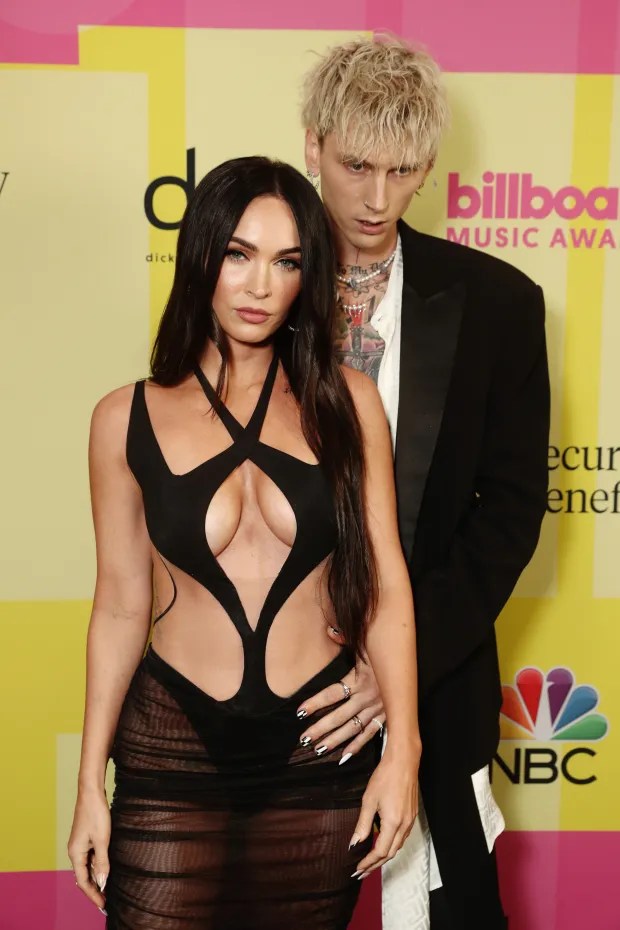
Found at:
[111, 112]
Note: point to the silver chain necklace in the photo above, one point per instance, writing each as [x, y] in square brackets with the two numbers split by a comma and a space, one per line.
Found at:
[355, 282]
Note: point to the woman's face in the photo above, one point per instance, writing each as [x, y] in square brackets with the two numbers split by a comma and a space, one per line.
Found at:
[260, 276]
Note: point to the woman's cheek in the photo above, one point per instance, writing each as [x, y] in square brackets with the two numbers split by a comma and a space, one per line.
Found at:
[294, 291]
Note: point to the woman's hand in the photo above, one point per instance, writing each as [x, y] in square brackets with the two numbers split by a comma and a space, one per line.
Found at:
[353, 723]
[88, 844]
[392, 792]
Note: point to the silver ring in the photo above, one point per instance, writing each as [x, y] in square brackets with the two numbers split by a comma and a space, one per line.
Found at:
[358, 723]
[379, 724]
[346, 689]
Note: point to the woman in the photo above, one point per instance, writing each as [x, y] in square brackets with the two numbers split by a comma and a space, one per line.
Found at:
[248, 484]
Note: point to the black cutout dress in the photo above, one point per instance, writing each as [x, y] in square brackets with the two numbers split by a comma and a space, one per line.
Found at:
[220, 819]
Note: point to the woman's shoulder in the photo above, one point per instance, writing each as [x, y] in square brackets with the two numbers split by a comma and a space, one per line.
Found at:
[361, 385]
[110, 418]
[365, 395]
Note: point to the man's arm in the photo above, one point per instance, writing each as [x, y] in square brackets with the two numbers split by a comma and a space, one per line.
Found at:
[458, 603]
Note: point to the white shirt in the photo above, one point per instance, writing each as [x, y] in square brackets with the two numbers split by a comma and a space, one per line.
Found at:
[413, 873]
[386, 321]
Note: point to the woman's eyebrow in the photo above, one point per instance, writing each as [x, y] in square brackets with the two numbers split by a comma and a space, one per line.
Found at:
[244, 243]
[294, 249]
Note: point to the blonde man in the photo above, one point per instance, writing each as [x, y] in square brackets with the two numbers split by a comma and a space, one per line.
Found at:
[455, 340]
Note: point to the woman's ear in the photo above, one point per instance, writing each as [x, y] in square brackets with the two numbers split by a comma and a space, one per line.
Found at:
[336, 635]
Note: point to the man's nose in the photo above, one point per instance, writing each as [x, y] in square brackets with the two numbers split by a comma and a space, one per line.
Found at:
[377, 200]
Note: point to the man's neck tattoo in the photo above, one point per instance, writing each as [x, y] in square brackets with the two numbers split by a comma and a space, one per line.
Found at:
[355, 277]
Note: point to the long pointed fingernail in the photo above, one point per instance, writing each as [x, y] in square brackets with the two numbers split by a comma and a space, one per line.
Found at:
[305, 741]
[105, 913]
[345, 758]
[363, 875]
[354, 841]
[320, 750]
[302, 713]
[101, 881]
[356, 874]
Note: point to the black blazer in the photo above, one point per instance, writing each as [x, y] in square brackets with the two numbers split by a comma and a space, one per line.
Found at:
[471, 475]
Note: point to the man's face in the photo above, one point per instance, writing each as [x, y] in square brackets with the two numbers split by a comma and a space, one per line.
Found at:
[364, 200]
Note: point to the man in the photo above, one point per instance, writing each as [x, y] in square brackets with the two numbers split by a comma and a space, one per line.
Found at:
[455, 340]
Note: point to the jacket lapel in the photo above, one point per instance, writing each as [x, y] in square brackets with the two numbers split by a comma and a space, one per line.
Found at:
[429, 335]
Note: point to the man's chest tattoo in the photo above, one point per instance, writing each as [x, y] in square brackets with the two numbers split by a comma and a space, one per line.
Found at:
[358, 344]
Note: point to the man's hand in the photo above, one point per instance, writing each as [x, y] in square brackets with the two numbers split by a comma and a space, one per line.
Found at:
[352, 724]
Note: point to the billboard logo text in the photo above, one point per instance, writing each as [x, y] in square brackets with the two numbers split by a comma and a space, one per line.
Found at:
[516, 196]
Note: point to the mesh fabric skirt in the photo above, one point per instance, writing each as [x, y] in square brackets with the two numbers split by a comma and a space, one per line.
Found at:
[221, 820]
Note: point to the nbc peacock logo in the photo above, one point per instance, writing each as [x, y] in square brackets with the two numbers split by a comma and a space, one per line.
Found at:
[550, 707]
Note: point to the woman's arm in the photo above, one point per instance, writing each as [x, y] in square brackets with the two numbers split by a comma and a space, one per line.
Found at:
[119, 626]
[391, 644]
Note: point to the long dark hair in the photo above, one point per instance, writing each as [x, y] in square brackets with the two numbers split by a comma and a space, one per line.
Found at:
[328, 417]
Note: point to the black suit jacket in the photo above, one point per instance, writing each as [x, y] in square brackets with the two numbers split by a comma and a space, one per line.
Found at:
[471, 477]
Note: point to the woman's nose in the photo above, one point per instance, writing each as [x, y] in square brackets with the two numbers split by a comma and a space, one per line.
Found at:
[259, 285]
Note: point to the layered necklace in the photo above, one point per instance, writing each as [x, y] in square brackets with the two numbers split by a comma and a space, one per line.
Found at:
[355, 282]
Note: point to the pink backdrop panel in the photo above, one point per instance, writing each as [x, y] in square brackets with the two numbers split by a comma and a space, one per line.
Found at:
[564, 36]
[562, 880]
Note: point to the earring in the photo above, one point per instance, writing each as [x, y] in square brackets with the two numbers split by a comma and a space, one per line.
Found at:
[293, 329]
[314, 179]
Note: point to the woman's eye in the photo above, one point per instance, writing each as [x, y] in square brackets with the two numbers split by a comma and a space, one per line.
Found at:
[235, 255]
[289, 264]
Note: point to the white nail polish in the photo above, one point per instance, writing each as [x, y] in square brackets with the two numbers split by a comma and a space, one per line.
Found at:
[101, 881]
[345, 758]
[356, 875]
[105, 913]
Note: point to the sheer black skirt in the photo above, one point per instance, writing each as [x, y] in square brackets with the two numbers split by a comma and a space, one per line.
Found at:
[222, 821]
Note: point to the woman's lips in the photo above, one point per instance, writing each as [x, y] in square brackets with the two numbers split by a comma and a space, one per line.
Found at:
[251, 315]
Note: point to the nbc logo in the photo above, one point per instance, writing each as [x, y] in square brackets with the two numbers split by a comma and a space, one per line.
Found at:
[549, 708]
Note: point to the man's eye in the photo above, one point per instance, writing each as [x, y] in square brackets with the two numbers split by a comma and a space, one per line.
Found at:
[355, 166]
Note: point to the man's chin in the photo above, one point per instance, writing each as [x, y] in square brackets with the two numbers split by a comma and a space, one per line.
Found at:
[373, 242]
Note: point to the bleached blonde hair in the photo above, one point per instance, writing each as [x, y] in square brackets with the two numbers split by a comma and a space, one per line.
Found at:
[378, 95]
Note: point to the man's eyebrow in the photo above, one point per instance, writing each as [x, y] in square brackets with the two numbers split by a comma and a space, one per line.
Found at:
[292, 250]
[353, 160]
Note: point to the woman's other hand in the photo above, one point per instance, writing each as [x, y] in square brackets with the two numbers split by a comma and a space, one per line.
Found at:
[88, 844]
[392, 793]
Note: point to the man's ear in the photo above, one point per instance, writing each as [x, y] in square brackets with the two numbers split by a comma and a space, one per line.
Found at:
[313, 152]
[428, 169]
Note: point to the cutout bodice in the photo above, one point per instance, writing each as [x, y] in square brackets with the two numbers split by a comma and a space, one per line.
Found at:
[181, 526]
